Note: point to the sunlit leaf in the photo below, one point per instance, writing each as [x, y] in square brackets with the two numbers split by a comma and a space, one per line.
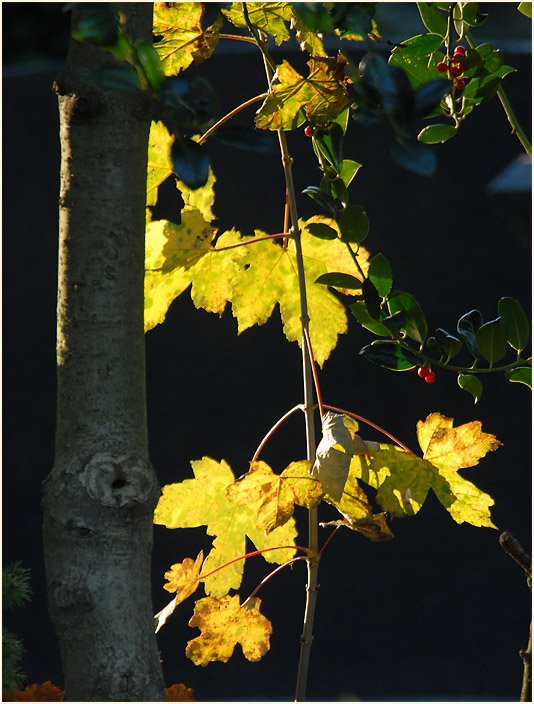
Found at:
[380, 274]
[269, 17]
[223, 624]
[471, 383]
[45, 692]
[183, 41]
[416, 326]
[491, 340]
[277, 493]
[523, 375]
[179, 693]
[437, 133]
[202, 501]
[319, 97]
[412, 55]
[434, 20]
[516, 321]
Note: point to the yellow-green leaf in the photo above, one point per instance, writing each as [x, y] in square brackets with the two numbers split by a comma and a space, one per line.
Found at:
[277, 494]
[269, 17]
[203, 501]
[183, 39]
[319, 97]
[223, 624]
[182, 579]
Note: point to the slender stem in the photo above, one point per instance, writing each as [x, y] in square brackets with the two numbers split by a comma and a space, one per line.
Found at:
[314, 371]
[233, 112]
[373, 425]
[251, 241]
[252, 554]
[271, 574]
[275, 427]
[355, 260]
[329, 539]
[313, 535]
[510, 114]
[526, 656]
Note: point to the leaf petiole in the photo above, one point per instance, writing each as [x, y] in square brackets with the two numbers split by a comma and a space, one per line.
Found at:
[271, 574]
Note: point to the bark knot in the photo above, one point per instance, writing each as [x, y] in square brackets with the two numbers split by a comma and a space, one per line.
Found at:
[117, 480]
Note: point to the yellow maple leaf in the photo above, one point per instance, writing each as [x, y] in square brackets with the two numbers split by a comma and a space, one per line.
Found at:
[223, 624]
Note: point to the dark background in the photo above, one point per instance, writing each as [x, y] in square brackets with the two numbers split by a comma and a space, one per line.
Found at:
[439, 613]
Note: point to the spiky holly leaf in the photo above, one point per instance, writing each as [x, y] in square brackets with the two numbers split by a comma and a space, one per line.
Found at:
[320, 97]
[223, 624]
[403, 479]
[277, 493]
[183, 39]
[269, 17]
[203, 501]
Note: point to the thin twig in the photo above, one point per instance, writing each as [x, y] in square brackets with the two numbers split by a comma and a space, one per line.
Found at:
[275, 427]
[271, 574]
[231, 114]
[251, 241]
[314, 370]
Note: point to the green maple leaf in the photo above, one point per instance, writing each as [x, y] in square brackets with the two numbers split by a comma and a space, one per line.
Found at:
[183, 39]
[203, 501]
[160, 168]
[319, 97]
[277, 493]
[269, 17]
[403, 480]
[223, 624]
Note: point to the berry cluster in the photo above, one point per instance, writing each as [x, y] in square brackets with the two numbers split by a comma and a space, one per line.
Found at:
[455, 67]
[426, 374]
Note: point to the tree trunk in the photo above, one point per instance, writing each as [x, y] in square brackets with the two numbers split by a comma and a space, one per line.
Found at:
[100, 495]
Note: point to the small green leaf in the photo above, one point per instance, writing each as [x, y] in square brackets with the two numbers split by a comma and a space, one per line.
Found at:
[123, 78]
[437, 133]
[471, 383]
[471, 14]
[450, 344]
[412, 56]
[516, 321]
[339, 280]
[371, 298]
[523, 375]
[190, 162]
[360, 312]
[491, 340]
[380, 274]
[312, 15]
[525, 8]
[348, 170]
[389, 355]
[353, 224]
[322, 231]
[416, 326]
[432, 18]
[467, 327]
[321, 198]
[149, 59]
[330, 143]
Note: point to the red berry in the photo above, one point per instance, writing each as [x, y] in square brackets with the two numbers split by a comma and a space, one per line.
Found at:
[423, 372]
[456, 70]
[308, 131]
[442, 67]
[430, 378]
[459, 51]
[459, 83]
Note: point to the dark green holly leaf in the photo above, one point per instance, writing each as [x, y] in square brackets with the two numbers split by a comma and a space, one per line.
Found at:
[312, 15]
[432, 18]
[437, 133]
[190, 162]
[395, 322]
[525, 8]
[416, 326]
[471, 14]
[360, 312]
[149, 60]
[372, 299]
[123, 78]
[321, 198]
[523, 375]
[330, 143]
[516, 321]
[380, 274]
[356, 23]
[322, 231]
[390, 355]
[491, 340]
[246, 138]
[471, 383]
[413, 56]
[429, 96]
[450, 344]
[415, 157]
[338, 279]
[339, 191]
[467, 327]
[353, 224]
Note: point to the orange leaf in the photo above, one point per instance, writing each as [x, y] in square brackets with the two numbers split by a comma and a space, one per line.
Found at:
[179, 693]
[45, 692]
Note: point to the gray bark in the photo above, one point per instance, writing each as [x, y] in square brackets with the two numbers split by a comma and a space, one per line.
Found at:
[100, 495]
